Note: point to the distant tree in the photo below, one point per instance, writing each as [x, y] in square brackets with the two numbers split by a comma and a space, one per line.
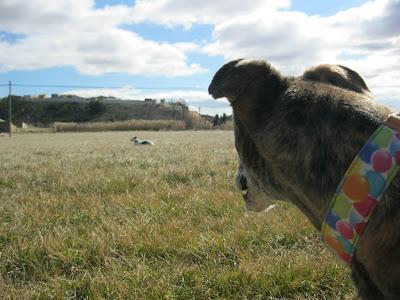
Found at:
[71, 111]
[224, 118]
[95, 107]
[181, 103]
[51, 107]
[216, 120]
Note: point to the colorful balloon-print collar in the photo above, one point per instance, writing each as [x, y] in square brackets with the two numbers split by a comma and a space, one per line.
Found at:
[361, 189]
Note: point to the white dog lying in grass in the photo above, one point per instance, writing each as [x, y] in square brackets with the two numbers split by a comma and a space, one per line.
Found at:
[136, 141]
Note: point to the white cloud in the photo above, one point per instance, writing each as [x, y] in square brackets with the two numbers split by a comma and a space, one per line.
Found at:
[186, 13]
[39, 16]
[285, 38]
[364, 38]
[66, 32]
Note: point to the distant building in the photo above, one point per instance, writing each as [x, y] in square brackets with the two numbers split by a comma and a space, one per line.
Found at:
[27, 97]
[54, 96]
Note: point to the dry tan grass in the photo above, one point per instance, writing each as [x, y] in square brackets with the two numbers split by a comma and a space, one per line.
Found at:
[121, 125]
[226, 126]
[90, 216]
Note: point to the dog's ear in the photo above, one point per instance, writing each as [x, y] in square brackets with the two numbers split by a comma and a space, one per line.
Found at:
[339, 76]
[232, 79]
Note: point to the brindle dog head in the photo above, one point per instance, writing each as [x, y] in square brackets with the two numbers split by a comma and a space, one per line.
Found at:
[233, 81]
[238, 80]
[295, 137]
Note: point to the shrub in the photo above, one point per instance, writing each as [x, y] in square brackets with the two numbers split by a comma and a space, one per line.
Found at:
[196, 121]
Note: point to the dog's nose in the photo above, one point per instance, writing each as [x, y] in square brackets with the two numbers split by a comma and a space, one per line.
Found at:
[241, 182]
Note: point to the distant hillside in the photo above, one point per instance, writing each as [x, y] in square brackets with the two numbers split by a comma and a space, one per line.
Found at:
[70, 108]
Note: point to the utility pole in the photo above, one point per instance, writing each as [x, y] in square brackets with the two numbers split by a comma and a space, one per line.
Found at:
[199, 119]
[9, 108]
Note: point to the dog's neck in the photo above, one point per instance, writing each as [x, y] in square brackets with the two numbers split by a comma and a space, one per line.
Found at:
[361, 189]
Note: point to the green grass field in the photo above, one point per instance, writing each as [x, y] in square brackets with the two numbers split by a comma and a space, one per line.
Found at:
[90, 216]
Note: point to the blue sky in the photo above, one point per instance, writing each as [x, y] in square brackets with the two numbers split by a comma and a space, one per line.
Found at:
[171, 49]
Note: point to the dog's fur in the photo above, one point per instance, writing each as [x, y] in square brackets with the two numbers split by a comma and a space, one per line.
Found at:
[296, 137]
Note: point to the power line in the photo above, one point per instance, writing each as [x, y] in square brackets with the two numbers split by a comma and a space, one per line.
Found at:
[185, 88]
[138, 87]
[66, 86]
[105, 87]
